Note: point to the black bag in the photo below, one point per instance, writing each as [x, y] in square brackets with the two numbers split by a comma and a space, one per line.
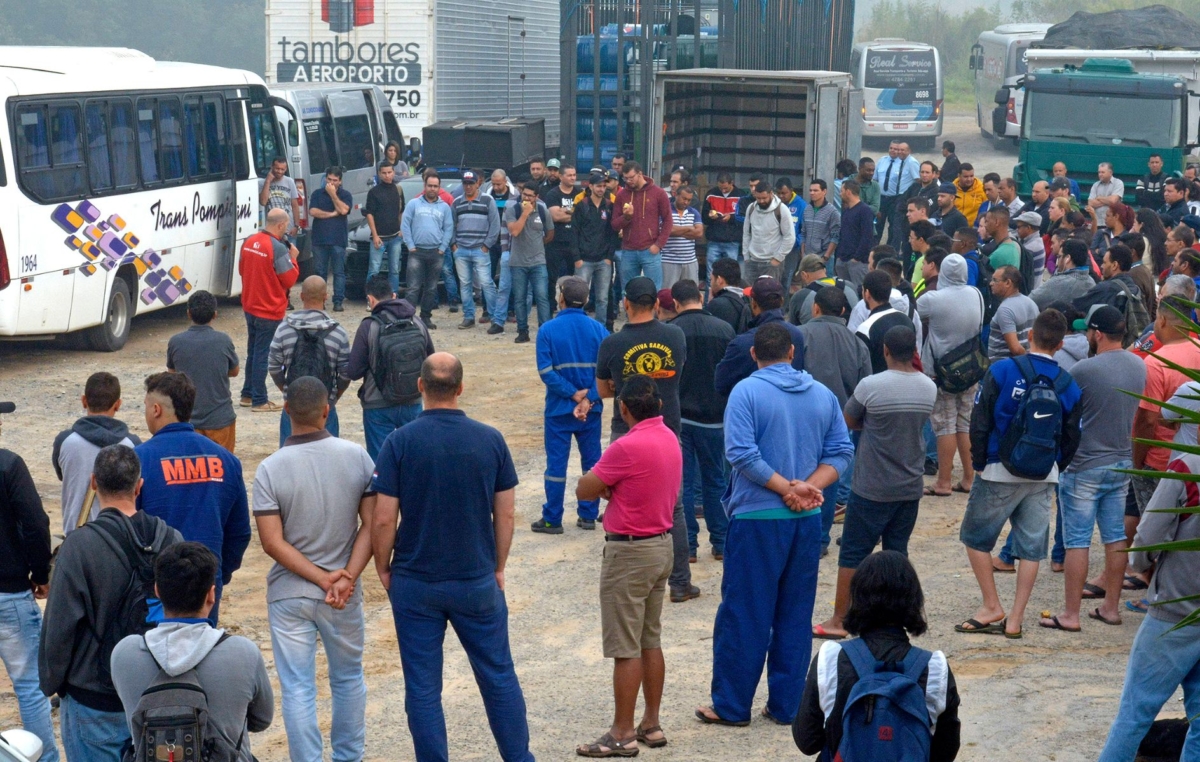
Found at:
[139, 608]
[1026, 269]
[396, 358]
[1029, 448]
[311, 358]
[963, 366]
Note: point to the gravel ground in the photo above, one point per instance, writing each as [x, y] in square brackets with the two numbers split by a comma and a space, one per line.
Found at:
[1049, 696]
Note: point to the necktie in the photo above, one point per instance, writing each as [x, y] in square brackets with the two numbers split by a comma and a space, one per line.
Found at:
[887, 176]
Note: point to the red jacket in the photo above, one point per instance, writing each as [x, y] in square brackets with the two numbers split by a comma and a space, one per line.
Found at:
[267, 271]
[651, 221]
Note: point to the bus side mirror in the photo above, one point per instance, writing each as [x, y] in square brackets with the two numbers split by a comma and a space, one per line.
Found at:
[293, 133]
[414, 148]
[976, 60]
[1001, 98]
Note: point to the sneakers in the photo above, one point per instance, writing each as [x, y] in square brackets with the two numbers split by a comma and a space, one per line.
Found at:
[688, 593]
[267, 407]
[585, 524]
[495, 329]
[246, 402]
[337, 307]
[839, 513]
[484, 318]
[522, 337]
[466, 323]
[545, 527]
[428, 321]
[453, 308]
[931, 467]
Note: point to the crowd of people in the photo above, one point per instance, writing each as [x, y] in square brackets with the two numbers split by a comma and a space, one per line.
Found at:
[827, 356]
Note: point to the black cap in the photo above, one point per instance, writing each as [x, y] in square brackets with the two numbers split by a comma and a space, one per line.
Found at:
[641, 290]
[766, 287]
[574, 291]
[1060, 183]
[7, 407]
[1106, 319]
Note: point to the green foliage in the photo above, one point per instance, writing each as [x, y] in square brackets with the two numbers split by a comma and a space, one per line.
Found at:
[220, 32]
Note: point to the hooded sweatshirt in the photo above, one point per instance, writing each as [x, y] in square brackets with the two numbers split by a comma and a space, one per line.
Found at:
[951, 315]
[651, 222]
[89, 581]
[766, 237]
[74, 454]
[361, 353]
[1074, 349]
[283, 347]
[232, 675]
[1175, 572]
[780, 420]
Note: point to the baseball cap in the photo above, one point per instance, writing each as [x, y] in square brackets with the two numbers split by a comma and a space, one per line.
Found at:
[812, 264]
[1033, 219]
[949, 188]
[1192, 221]
[641, 290]
[469, 177]
[7, 407]
[554, 163]
[597, 177]
[1060, 183]
[1106, 319]
[665, 300]
[766, 287]
[574, 291]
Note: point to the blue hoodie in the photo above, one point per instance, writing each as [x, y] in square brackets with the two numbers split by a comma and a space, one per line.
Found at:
[780, 420]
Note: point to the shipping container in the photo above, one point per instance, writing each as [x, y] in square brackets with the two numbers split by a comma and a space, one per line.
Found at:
[434, 59]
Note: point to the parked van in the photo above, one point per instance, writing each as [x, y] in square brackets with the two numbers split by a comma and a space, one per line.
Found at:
[336, 124]
[998, 61]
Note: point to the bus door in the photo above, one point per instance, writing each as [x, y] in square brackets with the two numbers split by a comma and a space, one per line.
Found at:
[356, 146]
[243, 192]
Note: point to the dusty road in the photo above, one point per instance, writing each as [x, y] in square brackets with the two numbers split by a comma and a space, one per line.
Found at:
[1050, 696]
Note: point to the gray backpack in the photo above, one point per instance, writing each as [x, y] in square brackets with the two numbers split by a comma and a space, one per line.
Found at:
[170, 722]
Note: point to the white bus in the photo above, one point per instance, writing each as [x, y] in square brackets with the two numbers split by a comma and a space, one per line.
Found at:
[125, 184]
[901, 83]
[998, 62]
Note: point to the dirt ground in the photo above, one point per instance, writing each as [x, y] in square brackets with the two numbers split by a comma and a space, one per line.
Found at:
[1050, 696]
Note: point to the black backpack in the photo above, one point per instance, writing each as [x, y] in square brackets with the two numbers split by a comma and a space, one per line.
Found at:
[311, 358]
[139, 608]
[396, 358]
[1026, 268]
[983, 281]
[1029, 448]
[170, 721]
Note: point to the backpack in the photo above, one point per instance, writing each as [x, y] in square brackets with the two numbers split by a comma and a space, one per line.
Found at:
[778, 220]
[310, 357]
[886, 718]
[396, 358]
[170, 721]
[1136, 316]
[1026, 268]
[983, 280]
[1029, 449]
[139, 608]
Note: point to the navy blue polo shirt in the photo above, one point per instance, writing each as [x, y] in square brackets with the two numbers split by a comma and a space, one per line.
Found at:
[446, 470]
[333, 231]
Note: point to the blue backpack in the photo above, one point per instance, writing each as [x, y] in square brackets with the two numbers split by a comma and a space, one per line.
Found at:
[885, 718]
[1029, 449]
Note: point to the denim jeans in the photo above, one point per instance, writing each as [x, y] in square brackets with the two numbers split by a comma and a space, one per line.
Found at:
[1159, 662]
[704, 477]
[931, 452]
[375, 262]
[1058, 553]
[422, 278]
[448, 278]
[599, 274]
[381, 421]
[296, 623]
[259, 332]
[285, 424]
[499, 312]
[635, 262]
[525, 279]
[20, 626]
[475, 270]
[477, 611]
[1094, 497]
[326, 257]
[719, 250]
[90, 735]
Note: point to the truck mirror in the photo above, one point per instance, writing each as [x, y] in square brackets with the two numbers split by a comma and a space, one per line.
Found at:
[414, 147]
[293, 133]
[1002, 97]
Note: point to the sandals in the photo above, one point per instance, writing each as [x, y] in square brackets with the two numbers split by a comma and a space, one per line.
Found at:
[607, 746]
[960, 488]
[714, 720]
[643, 733]
[1133, 583]
[1138, 607]
[1095, 614]
[931, 492]
[767, 715]
[1054, 623]
[820, 633]
[1093, 592]
[974, 626]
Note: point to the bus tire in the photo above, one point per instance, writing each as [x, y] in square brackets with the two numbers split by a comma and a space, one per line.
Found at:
[112, 334]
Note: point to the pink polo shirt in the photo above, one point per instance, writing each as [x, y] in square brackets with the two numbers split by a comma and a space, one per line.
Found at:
[644, 469]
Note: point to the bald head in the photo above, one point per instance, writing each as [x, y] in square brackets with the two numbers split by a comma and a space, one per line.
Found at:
[441, 379]
[277, 217]
[312, 292]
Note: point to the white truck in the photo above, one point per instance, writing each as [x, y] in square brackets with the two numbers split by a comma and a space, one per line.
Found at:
[998, 63]
[433, 59]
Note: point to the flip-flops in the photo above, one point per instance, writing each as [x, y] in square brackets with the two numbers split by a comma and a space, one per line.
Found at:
[1055, 624]
[1095, 614]
[767, 715]
[1093, 592]
[958, 487]
[1133, 583]
[820, 633]
[700, 715]
[931, 492]
[975, 627]
[1138, 607]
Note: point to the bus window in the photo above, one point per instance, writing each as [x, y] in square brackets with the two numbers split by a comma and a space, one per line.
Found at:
[237, 134]
[354, 141]
[147, 141]
[214, 134]
[264, 140]
[122, 137]
[391, 127]
[376, 133]
[170, 136]
[195, 149]
[318, 138]
[50, 151]
[99, 166]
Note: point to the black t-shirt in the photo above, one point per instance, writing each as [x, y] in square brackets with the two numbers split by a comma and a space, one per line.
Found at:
[384, 203]
[501, 199]
[653, 349]
[564, 235]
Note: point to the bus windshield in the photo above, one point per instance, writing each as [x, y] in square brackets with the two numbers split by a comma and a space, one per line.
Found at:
[1099, 119]
[893, 69]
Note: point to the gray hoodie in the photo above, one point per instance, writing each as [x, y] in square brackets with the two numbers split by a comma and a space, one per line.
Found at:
[952, 314]
[283, 346]
[764, 237]
[1175, 572]
[232, 674]
[74, 454]
[1074, 349]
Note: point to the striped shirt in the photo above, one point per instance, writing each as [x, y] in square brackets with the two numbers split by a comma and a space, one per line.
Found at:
[681, 251]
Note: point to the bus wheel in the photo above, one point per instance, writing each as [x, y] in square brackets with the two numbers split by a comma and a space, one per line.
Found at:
[112, 334]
